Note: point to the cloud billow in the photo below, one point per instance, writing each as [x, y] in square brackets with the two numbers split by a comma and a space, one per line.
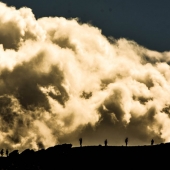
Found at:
[61, 79]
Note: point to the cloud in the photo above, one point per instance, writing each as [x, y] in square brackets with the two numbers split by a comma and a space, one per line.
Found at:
[61, 79]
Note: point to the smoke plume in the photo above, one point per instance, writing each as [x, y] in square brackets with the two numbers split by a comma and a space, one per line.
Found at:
[61, 79]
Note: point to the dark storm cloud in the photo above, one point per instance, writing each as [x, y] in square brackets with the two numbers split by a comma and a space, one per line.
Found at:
[23, 83]
[61, 80]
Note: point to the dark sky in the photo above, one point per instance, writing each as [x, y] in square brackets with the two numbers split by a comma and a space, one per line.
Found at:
[146, 22]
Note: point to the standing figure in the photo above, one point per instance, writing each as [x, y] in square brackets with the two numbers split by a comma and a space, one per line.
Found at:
[126, 141]
[2, 152]
[80, 140]
[105, 142]
[152, 142]
[7, 152]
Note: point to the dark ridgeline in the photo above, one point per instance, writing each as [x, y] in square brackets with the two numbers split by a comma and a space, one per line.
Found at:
[65, 156]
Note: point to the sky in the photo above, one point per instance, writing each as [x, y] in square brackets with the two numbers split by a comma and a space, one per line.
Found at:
[146, 22]
[94, 70]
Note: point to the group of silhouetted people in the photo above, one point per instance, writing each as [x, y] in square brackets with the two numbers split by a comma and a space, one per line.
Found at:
[126, 141]
[81, 140]
[105, 142]
[2, 152]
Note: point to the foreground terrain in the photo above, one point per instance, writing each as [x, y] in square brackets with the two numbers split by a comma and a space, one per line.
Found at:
[88, 157]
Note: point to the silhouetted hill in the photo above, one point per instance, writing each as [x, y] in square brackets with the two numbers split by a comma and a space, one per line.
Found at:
[109, 157]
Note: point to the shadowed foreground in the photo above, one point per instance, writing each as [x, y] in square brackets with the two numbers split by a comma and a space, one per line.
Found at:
[108, 157]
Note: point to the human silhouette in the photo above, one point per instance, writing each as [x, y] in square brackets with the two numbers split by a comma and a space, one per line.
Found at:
[105, 142]
[152, 142]
[7, 152]
[126, 141]
[2, 152]
[80, 140]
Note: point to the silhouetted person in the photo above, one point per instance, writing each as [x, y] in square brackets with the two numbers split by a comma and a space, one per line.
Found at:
[2, 152]
[152, 142]
[105, 142]
[7, 152]
[126, 141]
[80, 140]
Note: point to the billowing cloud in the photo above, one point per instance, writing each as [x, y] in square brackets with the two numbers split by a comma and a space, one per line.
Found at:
[61, 79]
